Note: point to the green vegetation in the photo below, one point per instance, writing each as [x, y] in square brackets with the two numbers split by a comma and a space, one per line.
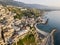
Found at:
[27, 40]
[14, 44]
[20, 42]
[19, 16]
[29, 12]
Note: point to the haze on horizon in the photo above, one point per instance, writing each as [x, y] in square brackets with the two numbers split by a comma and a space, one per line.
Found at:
[54, 3]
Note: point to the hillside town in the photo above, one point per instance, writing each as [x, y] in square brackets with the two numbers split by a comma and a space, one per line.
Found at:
[17, 22]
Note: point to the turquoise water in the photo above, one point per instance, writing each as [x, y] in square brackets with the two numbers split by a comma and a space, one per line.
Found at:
[54, 22]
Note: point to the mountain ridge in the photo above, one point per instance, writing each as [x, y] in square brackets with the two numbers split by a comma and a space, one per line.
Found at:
[37, 6]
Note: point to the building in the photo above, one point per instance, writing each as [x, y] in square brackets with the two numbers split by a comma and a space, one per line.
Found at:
[6, 19]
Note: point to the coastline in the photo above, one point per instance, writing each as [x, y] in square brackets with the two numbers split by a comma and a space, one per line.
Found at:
[46, 34]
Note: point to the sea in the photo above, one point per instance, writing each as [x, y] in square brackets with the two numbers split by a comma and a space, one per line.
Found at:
[53, 22]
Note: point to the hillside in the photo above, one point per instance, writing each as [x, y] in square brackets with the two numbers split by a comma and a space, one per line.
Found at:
[37, 6]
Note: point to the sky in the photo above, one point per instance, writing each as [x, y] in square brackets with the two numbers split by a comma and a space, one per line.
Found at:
[55, 3]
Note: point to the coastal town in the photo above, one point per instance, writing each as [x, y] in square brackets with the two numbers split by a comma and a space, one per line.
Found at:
[18, 22]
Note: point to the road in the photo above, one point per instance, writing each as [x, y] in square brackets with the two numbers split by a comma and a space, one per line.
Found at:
[48, 40]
